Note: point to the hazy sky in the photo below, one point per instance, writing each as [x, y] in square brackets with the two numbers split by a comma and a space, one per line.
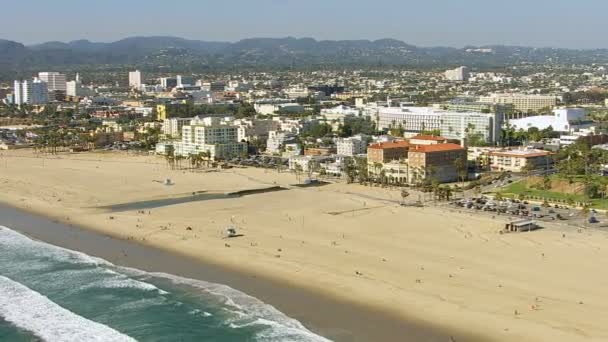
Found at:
[556, 23]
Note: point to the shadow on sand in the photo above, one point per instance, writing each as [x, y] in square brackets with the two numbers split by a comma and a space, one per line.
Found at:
[197, 196]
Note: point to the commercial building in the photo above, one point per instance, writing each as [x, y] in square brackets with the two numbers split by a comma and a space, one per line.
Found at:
[458, 74]
[56, 85]
[562, 120]
[521, 102]
[452, 125]
[184, 81]
[135, 79]
[31, 92]
[168, 82]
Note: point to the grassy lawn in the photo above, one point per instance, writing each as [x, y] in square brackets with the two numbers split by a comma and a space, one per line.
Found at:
[515, 189]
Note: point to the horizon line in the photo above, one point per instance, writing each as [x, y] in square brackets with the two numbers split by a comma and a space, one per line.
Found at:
[300, 38]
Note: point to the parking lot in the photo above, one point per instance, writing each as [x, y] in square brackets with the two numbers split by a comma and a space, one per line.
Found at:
[523, 209]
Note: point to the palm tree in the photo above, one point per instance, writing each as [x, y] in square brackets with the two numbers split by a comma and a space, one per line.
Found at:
[461, 169]
[298, 170]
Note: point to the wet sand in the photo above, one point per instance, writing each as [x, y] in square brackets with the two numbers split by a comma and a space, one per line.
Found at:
[335, 319]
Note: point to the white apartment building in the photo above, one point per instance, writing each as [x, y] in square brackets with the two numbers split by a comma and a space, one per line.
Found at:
[32, 92]
[213, 135]
[517, 160]
[351, 146]
[135, 79]
[173, 127]
[272, 108]
[339, 113]
[297, 92]
[458, 74]
[522, 102]
[452, 125]
[56, 83]
[253, 128]
[307, 163]
[277, 140]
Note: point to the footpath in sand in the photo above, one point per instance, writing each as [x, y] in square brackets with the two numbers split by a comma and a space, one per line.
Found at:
[430, 264]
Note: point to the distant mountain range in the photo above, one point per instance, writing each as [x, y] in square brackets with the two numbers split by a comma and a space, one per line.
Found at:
[172, 52]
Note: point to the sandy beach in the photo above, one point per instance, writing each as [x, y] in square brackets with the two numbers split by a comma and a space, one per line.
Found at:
[429, 265]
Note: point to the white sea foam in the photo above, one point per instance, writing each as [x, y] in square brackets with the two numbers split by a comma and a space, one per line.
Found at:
[31, 311]
[249, 310]
[124, 283]
[16, 241]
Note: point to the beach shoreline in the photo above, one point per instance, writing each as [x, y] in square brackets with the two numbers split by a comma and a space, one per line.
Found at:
[329, 317]
[434, 267]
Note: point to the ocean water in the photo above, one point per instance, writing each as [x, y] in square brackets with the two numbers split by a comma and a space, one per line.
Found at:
[48, 293]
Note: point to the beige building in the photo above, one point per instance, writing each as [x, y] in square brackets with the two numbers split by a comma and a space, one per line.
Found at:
[211, 135]
[522, 102]
[517, 160]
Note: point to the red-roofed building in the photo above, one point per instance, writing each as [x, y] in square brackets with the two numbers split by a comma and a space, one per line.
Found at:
[436, 161]
[402, 160]
[387, 151]
[427, 140]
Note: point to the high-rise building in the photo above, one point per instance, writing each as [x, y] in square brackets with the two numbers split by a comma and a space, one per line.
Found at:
[458, 74]
[168, 82]
[213, 135]
[56, 84]
[135, 79]
[32, 92]
[184, 81]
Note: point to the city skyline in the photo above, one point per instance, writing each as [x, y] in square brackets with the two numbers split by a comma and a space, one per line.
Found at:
[469, 22]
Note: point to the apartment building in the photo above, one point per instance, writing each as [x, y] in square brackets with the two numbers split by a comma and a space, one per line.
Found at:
[135, 79]
[519, 160]
[459, 74]
[212, 135]
[278, 140]
[31, 92]
[351, 146]
[173, 127]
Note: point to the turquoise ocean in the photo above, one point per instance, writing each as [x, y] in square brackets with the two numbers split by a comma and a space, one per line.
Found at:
[49, 293]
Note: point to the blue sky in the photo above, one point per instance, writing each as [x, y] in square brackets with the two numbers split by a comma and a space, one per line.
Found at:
[556, 23]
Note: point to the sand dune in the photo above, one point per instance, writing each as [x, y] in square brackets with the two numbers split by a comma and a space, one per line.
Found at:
[430, 264]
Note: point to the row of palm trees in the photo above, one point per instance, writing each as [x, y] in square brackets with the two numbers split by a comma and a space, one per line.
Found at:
[196, 160]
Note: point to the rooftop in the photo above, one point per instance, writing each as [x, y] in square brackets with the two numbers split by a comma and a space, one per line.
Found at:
[438, 148]
[521, 153]
[428, 137]
[390, 144]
